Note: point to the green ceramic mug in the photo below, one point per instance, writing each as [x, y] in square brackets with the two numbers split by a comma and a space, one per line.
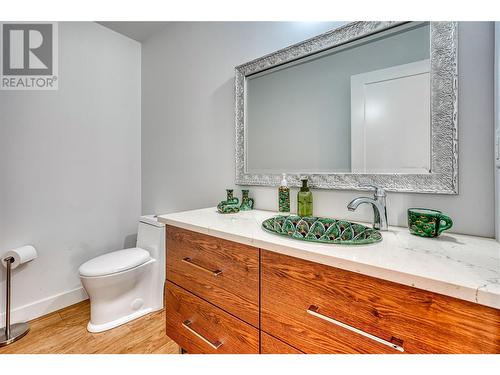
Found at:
[427, 223]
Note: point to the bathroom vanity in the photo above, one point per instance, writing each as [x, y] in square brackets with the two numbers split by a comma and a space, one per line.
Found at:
[231, 287]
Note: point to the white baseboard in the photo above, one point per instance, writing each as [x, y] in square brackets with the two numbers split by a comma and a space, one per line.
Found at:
[45, 306]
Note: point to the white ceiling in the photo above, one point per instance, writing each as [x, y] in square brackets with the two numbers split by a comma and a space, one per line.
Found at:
[139, 31]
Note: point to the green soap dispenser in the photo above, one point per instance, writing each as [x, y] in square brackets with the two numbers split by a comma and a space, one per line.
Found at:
[304, 200]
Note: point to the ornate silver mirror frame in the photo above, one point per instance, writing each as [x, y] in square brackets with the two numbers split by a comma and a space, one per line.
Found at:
[443, 178]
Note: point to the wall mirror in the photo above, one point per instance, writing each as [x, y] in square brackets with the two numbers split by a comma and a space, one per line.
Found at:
[366, 103]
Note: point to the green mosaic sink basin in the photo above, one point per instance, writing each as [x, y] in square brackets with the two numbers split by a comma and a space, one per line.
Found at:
[321, 229]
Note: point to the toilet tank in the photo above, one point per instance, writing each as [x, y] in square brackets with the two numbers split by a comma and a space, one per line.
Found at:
[151, 237]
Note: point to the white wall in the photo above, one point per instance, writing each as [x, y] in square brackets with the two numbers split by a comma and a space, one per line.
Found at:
[188, 106]
[70, 166]
[188, 122]
[497, 127]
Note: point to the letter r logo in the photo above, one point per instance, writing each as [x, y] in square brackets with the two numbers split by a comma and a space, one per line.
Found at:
[27, 49]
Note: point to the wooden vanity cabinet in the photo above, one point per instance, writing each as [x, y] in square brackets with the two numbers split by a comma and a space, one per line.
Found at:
[225, 297]
[321, 309]
[211, 293]
[222, 272]
[200, 327]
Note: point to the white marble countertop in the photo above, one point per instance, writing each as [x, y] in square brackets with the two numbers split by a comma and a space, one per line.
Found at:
[460, 266]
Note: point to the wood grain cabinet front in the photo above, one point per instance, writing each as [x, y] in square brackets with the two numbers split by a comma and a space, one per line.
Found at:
[199, 327]
[222, 272]
[214, 305]
[321, 309]
[271, 345]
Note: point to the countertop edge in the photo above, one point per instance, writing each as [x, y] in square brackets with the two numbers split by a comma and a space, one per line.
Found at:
[474, 295]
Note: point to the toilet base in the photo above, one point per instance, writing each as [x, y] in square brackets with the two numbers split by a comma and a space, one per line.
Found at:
[95, 328]
[124, 296]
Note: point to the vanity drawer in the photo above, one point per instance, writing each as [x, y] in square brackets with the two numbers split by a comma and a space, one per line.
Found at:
[321, 309]
[222, 272]
[271, 345]
[199, 327]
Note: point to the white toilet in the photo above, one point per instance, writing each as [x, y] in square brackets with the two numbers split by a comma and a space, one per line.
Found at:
[126, 284]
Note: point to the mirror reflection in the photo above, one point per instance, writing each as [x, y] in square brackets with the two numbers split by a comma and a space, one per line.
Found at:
[360, 108]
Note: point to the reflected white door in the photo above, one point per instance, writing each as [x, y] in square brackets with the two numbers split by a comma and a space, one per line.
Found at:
[390, 120]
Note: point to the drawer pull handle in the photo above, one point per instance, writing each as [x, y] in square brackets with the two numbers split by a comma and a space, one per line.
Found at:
[313, 310]
[190, 261]
[187, 324]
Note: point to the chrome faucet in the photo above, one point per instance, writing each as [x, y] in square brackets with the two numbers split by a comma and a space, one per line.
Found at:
[378, 204]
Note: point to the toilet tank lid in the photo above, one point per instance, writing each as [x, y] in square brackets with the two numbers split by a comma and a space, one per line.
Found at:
[114, 262]
[152, 220]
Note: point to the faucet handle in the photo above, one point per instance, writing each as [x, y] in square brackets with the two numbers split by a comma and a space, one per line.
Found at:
[379, 192]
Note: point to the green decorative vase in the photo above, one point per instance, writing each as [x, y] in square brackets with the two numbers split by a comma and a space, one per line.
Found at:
[246, 202]
[230, 205]
[284, 199]
[284, 196]
[424, 222]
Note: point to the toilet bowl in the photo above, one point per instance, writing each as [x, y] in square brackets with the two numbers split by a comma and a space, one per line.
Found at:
[126, 284]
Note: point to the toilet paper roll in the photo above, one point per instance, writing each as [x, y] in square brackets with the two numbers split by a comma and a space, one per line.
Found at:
[21, 255]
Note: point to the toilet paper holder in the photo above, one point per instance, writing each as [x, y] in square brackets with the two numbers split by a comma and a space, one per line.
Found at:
[11, 332]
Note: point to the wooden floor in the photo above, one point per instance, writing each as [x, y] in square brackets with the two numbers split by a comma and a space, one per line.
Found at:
[65, 331]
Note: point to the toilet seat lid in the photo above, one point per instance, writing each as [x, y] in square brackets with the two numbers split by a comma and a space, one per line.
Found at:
[114, 262]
